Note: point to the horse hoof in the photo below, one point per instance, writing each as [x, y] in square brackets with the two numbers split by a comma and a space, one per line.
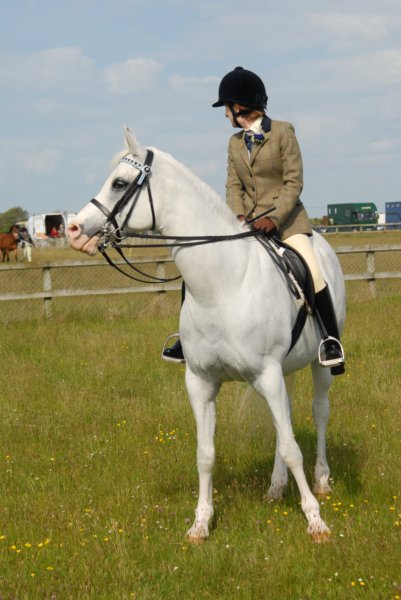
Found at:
[197, 541]
[321, 494]
[197, 534]
[275, 493]
[321, 537]
[273, 497]
[321, 491]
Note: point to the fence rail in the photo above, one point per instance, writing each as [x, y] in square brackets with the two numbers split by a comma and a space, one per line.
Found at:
[371, 275]
[48, 293]
[364, 267]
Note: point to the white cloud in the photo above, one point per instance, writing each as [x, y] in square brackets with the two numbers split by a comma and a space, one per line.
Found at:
[319, 127]
[53, 69]
[349, 28]
[43, 161]
[369, 73]
[30, 156]
[133, 76]
[179, 83]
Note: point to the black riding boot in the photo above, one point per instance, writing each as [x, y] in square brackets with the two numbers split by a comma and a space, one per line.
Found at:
[332, 354]
[175, 353]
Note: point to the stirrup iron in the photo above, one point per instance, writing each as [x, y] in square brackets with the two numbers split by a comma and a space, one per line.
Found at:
[321, 350]
[170, 337]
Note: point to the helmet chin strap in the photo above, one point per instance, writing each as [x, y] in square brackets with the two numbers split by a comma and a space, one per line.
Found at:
[241, 113]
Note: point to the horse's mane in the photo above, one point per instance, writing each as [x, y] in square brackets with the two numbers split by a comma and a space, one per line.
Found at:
[214, 204]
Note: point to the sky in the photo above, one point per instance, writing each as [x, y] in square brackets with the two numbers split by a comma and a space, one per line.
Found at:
[73, 74]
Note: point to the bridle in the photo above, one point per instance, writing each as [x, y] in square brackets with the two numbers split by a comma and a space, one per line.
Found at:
[132, 193]
[111, 228]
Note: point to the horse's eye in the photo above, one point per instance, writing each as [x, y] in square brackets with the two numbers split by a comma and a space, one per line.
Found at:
[119, 184]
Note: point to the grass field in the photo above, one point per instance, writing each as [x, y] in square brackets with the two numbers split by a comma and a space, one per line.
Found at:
[99, 484]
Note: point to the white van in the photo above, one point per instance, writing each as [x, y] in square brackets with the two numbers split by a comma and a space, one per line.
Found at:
[40, 225]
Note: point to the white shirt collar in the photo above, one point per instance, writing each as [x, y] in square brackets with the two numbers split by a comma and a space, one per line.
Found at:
[256, 126]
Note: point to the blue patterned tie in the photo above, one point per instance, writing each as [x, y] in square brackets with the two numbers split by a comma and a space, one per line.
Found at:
[251, 137]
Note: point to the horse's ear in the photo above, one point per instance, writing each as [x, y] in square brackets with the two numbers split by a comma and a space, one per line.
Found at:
[134, 147]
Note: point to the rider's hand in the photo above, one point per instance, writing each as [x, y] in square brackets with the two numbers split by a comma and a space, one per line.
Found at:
[264, 224]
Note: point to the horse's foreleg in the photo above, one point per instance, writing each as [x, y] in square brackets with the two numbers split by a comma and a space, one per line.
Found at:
[271, 385]
[279, 478]
[202, 395]
[322, 379]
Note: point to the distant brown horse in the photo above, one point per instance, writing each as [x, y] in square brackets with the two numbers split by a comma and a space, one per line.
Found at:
[9, 242]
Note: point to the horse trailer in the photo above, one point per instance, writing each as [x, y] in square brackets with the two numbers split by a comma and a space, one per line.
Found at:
[40, 225]
[353, 215]
[393, 215]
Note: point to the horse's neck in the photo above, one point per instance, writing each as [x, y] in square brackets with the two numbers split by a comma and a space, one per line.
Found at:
[191, 208]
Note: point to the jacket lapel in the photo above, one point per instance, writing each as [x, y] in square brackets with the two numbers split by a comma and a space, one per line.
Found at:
[266, 127]
[243, 151]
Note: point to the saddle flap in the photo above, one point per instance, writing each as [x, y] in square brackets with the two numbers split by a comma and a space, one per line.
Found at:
[296, 265]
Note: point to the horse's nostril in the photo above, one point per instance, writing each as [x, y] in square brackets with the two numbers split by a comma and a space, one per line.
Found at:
[73, 229]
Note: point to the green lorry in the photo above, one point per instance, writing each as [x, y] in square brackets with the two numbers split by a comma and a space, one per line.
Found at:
[354, 215]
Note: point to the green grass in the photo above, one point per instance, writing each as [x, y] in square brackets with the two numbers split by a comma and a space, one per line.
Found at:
[99, 484]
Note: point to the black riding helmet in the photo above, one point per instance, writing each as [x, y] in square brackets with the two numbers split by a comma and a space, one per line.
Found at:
[241, 86]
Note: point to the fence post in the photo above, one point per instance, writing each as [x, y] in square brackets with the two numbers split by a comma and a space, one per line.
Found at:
[371, 267]
[47, 287]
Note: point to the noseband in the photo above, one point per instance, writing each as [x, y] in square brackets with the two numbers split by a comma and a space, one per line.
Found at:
[132, 193]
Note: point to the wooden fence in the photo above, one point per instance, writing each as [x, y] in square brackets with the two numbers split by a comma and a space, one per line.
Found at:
[47, 293]
[371, 275]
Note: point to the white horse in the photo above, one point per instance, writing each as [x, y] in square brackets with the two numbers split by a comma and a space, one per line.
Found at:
[237, 318]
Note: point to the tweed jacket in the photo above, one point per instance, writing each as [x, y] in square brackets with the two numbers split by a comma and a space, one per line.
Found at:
[271, 177]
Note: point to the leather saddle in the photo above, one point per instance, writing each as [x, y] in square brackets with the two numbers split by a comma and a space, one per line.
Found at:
[298, 277]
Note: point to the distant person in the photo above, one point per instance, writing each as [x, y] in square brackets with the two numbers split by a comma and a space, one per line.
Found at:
[54, 233]
[26, 244]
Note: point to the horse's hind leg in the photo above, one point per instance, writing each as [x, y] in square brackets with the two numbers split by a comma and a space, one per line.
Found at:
[202, 394]
[279, 478]
[321, 411]
[270, 385]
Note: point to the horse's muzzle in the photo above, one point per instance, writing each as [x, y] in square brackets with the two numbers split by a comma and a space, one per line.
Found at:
[78, 240]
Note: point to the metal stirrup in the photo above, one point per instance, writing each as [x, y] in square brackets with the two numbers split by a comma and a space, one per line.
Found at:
[330, 363]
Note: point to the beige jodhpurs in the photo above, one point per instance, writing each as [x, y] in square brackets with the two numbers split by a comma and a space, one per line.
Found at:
[301, 243]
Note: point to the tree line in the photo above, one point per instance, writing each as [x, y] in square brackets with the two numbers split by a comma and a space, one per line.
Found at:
[12, 216]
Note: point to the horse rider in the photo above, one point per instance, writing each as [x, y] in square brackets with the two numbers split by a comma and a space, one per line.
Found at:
[265, 174]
